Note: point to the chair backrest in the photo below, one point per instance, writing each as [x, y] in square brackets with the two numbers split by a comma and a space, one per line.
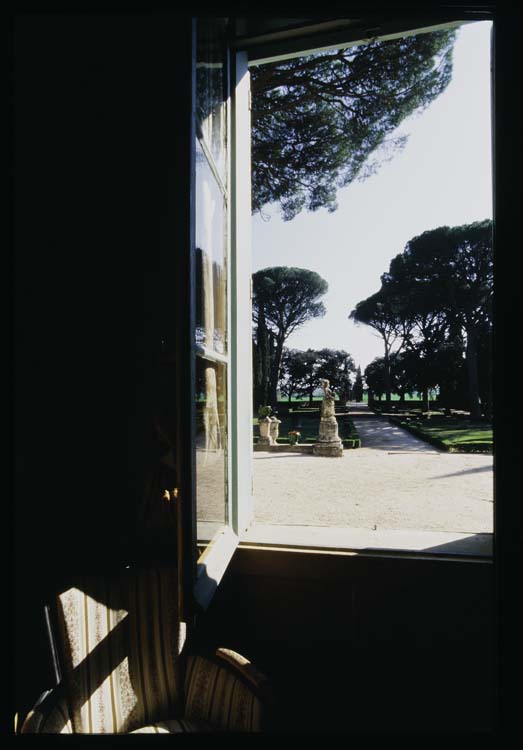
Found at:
[119, 643]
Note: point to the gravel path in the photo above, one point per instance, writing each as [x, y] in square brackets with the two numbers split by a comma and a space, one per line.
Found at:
[395, 481]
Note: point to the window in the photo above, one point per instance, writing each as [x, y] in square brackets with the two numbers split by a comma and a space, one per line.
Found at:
[211, 269]
[222, 256]
[222, 288]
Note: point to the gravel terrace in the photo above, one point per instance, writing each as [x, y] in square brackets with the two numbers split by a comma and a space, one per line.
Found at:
[395, 481]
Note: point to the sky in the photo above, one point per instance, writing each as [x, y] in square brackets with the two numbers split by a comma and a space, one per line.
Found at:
[442, 177]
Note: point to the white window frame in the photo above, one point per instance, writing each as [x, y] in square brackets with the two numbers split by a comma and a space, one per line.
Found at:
[215, 557]
[214, 560]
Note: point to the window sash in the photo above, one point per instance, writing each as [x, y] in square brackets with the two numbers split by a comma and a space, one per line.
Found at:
[216, 555]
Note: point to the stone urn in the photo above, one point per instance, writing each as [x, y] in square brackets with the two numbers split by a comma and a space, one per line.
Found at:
[274, 429]
[265, 434]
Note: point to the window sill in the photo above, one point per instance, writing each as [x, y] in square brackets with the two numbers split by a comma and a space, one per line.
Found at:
[461, 544]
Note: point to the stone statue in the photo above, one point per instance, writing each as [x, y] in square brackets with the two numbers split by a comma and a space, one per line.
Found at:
[327, 390]
[329, 443]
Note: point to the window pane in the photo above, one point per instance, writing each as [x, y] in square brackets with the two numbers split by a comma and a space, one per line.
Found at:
[211, 447]
[210, 258]
[210, 89]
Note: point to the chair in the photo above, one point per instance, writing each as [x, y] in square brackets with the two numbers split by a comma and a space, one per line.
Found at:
[119, 653]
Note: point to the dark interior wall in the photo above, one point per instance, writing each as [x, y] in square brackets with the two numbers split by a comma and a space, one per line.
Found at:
[97, 183]
[360, 643]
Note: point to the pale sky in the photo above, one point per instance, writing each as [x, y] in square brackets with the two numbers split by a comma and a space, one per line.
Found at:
[441, 177]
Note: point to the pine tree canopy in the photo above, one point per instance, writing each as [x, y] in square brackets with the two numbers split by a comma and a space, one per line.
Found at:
[316, 120]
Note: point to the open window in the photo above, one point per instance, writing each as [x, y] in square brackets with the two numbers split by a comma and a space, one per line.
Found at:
[221, 255]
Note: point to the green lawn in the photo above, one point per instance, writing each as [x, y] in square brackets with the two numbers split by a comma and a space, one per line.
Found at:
[452, 434]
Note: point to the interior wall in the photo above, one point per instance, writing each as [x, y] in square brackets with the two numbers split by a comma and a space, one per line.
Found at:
[97, 105]
[357, 643]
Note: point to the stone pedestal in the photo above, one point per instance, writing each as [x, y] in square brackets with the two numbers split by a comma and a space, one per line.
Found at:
[328, 449]
[329, 443]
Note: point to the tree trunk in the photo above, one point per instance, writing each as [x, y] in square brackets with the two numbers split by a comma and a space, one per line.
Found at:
[488, 406]
[276, 356]
[256, 376]
[486, 397]
[472, 373]
[262, 344]
[387, 374]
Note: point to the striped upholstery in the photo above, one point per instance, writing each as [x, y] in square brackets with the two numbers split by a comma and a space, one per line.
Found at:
[120, 646]
[175, 726]
[50, 716]
[119, 643]
[221, 696]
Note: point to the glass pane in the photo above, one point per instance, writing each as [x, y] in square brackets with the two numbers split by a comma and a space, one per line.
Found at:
[210, 258]
[211, 447]
[210, 89]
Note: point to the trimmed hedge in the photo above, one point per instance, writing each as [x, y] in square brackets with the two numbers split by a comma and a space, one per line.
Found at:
[351, 442]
